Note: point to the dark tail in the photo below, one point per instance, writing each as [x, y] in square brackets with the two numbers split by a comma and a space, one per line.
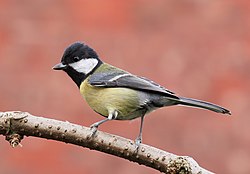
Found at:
[203, 104]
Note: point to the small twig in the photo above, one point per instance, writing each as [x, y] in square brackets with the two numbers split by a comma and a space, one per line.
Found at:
[14, 125]
[14, 139]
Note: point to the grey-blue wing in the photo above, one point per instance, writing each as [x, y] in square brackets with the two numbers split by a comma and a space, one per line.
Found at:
[127, 80]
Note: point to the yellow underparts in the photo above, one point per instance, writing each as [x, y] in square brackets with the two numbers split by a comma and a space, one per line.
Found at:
[107, 100]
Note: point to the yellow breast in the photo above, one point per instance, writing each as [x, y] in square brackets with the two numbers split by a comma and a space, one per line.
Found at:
[104, 100]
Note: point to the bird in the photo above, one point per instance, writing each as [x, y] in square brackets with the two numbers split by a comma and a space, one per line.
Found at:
[117, 94]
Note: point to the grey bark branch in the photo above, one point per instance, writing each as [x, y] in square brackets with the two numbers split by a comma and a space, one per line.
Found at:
[14, 125]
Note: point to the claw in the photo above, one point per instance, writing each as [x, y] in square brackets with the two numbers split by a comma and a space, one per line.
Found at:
[138, 142]
[93, 128]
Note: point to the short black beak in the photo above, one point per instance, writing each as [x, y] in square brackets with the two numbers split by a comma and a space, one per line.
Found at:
[60, 66]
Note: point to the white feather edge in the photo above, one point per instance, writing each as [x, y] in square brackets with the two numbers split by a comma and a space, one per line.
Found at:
[119, 76]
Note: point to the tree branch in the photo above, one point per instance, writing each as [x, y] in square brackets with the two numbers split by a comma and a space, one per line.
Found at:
[14, 125]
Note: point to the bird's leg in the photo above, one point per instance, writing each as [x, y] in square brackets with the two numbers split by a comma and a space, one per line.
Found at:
[94, 126]
[138, 140]
[112, 116]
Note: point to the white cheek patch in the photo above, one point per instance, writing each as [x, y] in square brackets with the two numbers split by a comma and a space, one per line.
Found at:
[84, 65]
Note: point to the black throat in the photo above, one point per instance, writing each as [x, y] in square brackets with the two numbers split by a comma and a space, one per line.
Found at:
[77, 77]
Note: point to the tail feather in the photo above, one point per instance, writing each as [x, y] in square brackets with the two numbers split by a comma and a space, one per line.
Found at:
[203, 104]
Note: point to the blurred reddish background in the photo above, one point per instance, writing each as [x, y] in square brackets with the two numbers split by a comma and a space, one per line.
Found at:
[196, 48]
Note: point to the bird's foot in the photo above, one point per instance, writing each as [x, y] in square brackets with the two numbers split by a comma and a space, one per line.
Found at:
[93, 128]
[138, 141]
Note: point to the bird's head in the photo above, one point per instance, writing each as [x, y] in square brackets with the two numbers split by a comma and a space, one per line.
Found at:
[78, 61]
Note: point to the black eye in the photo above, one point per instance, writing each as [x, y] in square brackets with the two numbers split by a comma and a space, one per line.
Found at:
[75, 59]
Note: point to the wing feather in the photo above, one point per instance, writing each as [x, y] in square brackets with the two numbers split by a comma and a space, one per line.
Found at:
[127, 80]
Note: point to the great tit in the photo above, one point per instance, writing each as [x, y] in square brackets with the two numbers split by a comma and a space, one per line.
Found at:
[117, 94]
